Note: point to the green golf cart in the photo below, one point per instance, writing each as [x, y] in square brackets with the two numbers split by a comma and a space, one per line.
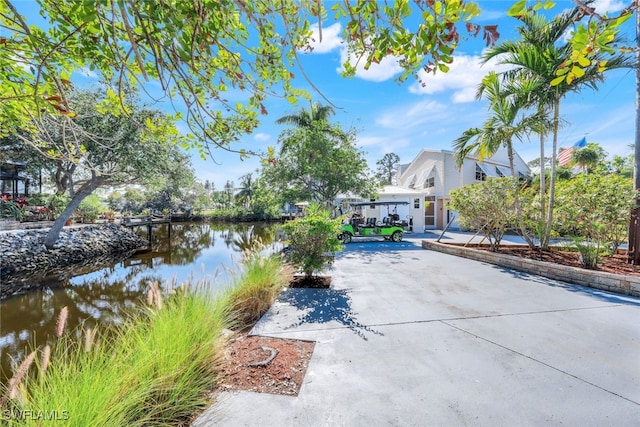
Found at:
[389, 227]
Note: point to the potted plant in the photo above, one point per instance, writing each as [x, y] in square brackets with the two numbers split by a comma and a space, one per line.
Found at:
[89, 216]
[91, 208]
[110, 215]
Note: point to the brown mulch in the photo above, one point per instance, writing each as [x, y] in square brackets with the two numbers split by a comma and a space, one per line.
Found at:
[322, 282]
[267, 364]
[250, 364]
[616, 264]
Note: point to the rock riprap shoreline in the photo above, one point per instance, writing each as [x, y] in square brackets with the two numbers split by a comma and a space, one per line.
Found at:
[23, 254]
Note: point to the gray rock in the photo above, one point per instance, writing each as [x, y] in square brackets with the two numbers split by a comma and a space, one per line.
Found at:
[23, 252]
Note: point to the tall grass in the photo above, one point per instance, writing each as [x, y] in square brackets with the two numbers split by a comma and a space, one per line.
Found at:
[262, 279]
[156, 369]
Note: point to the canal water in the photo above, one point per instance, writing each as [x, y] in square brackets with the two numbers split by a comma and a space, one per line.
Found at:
[202, 253]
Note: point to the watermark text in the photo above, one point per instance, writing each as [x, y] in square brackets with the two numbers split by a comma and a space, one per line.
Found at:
[33, 415]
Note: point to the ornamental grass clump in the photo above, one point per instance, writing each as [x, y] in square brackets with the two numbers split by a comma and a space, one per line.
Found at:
[263, 278]
[590, 252]
[157, 368]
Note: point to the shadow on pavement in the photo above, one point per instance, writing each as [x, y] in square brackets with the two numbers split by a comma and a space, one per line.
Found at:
[599, 294]
[321, 306]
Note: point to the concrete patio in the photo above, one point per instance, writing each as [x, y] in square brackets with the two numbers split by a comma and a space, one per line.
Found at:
[407, 336]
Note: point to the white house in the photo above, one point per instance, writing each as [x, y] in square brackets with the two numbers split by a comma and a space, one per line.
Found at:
[427, 181]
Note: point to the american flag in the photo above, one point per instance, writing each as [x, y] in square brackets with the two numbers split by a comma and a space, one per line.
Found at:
[564, 156]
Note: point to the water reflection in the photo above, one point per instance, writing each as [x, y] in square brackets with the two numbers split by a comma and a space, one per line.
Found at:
[199, 252]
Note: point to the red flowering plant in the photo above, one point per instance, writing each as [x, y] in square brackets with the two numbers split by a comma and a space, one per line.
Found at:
[10, 208]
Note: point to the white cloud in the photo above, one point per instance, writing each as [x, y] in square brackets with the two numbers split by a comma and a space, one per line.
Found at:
[384, 70]
[261, 137]
[610, 6]
[411, 115]
[464, 75]
[330, 38]
[86, 72]
[370, 141]
[378, 146]
[464, 95]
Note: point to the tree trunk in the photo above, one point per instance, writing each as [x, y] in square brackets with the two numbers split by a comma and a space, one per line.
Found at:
[543, 178]
[544, 243]
[636, 160]
[516, 193]
[632, 253]
[78, 197]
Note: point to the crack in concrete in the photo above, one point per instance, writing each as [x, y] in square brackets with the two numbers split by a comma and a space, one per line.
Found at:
[446, 319]
[533, 359]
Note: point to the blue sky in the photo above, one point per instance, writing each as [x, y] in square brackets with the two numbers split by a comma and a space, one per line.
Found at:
[405, 118]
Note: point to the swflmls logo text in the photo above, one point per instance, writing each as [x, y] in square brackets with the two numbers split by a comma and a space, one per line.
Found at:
[35, 415]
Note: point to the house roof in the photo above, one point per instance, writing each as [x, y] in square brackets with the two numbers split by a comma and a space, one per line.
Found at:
[394, 189]
[487, 170]
[499, 158]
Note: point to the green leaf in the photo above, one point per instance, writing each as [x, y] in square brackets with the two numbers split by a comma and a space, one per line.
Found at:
[577, 71]
[518, 8]
[584, 61]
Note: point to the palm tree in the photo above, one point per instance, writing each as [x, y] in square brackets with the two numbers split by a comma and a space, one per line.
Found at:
[308, 119]
[304, 118]
[588, 157]
[246, 190]
[536, 58]
[507, 121]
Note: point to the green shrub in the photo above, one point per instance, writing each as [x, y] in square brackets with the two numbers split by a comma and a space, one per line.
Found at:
[488, 207]
[313, 240]
[10, 209]
[38, 199]
[57, 203]
[594, 207]
[590, 252]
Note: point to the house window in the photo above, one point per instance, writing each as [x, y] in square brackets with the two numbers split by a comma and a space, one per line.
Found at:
[416, 203]
[499, 172]
[430, 182]
[480, 174]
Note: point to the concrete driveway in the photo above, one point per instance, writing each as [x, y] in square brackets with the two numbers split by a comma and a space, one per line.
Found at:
[410, 337]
